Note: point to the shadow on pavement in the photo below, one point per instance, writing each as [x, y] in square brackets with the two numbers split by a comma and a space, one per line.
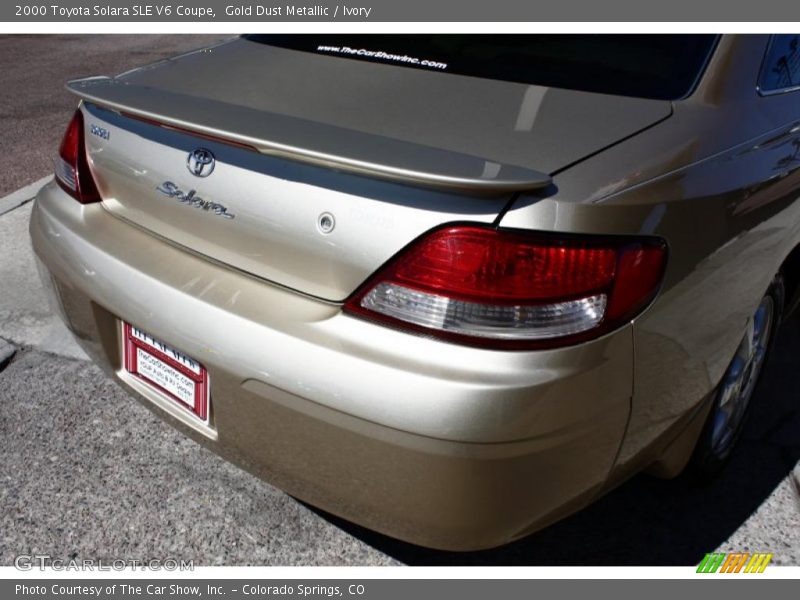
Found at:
[648, 521]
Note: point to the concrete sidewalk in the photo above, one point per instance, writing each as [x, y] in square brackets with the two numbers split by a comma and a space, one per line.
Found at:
[26, 319]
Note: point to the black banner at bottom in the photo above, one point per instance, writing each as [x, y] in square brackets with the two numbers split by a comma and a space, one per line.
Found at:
[731, 586]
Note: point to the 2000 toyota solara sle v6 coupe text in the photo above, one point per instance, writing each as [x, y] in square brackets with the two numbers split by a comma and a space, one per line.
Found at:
[451, 288]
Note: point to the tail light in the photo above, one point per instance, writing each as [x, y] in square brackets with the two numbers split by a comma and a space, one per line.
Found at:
[72, 166]
[511, 289]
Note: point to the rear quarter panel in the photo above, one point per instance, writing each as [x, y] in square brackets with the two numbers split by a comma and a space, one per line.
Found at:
[719, 181]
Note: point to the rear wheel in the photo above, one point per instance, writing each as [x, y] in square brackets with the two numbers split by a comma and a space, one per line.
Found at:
[732, 401]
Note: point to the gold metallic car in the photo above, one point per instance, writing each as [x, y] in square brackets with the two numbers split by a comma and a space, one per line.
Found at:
[452, 288]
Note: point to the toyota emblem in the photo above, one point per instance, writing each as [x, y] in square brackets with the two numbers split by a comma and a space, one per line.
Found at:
[200, 162]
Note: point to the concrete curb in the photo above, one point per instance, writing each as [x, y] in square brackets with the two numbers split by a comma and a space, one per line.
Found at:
[26, 317]
[7, 352]
[22, 195]
[796, 477]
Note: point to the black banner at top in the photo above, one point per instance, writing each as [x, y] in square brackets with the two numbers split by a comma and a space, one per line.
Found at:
[472, 11]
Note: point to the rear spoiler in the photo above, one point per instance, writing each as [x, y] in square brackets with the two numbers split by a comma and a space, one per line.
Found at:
[311, 142]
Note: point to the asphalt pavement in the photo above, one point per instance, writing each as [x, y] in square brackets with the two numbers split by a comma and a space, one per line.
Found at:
[88, 473]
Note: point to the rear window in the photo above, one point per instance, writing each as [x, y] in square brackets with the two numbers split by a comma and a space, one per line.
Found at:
[663, 67]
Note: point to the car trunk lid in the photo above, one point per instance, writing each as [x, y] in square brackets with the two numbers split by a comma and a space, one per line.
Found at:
[382, 152]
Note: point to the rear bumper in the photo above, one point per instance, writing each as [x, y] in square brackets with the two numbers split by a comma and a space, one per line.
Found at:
[441, 445]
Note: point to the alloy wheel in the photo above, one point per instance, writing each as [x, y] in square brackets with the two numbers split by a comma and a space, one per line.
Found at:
[740, 379]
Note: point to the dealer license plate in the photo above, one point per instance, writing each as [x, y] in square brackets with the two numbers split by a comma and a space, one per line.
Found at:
[167, 370]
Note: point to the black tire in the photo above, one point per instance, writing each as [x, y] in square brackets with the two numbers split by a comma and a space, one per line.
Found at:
[719, 438]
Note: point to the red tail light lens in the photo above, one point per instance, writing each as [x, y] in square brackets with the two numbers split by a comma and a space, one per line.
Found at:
[509, 289]
[72, 166]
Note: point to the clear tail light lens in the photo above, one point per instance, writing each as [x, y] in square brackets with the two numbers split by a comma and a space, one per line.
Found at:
[71, 165]
[511, 289]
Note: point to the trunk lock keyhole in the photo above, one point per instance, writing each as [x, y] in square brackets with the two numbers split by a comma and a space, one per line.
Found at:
[326, 223]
